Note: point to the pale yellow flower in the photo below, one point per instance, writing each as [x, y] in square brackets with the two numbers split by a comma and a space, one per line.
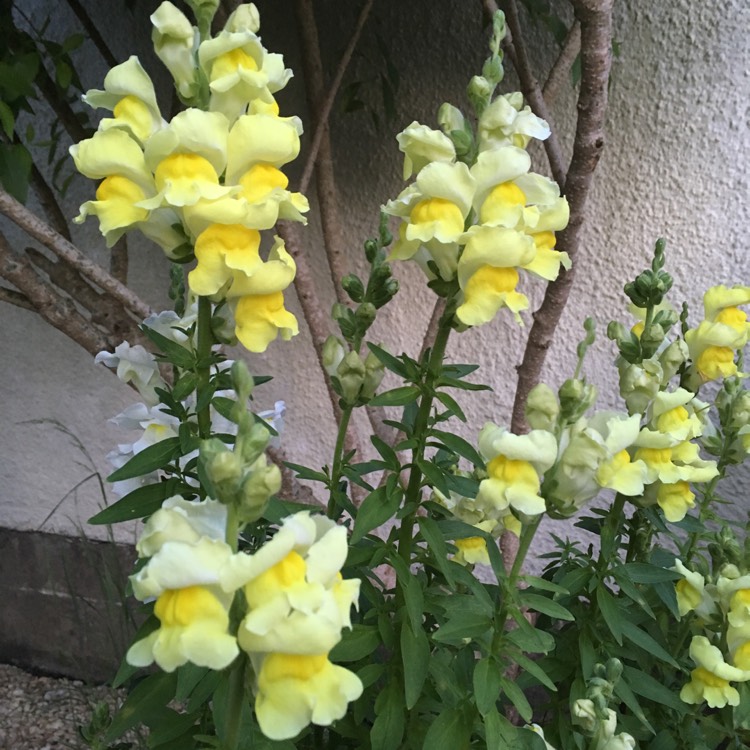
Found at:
[174, 40]
[710, 681]
[422, 146]
[295, 690]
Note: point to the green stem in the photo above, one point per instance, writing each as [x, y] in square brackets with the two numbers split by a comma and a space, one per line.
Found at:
[204, 344]
[524, 543]
[235, 702]
[412, 495]
[338, 456]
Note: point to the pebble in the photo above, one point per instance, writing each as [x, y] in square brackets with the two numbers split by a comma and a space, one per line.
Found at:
[44, 713]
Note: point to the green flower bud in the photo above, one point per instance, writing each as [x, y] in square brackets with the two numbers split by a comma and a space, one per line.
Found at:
[339, 311]
[374, 372]
[639, 384]
[351, 373]
[672, 358]
[479, 93]
[333, 353]
[244, 18]
[242, 380]
[223, 469]
[353, 287]
[462, 141]
[366, 313]
[617, 332]
[493, 69]
[613, 671]
[542, 408]
[651, 339]
[262, 481]
[252, 442]
[371, 250]
[576, 396]
[450, 118]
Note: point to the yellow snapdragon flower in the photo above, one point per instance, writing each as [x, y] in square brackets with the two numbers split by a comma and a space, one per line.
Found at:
[710, 681]
[693, 593]
[174, 39]
[422, 145]
[506, 121]
[294, 690]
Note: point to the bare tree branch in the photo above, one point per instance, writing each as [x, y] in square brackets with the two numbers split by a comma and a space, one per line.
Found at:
[118, 261]
[11, 296]
[60, 107]
[56, 310]
[36, 228]
[312, 66]
[595, 17]
[49, 203]
[530, 86]
[559, 72]
[92, 32]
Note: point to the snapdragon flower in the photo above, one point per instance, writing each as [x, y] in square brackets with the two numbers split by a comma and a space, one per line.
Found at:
[710, 680]
[137, 366]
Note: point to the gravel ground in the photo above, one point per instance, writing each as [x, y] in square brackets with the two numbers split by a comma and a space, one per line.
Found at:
[43, 713]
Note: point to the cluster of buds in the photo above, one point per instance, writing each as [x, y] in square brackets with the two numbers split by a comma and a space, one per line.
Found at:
[354, 379]
[721, 606]
[475, 213]
[206, 183]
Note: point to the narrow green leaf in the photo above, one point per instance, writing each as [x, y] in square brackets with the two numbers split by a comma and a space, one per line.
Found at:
[451, 405]
[446, 382]
[153, 693]
[415, 655]
[303, 472]
[461, 626]
[546, 606]
[610, 612]
[646, 642]
[626, 695]
[149, 459]
[434, 476]
[188, 677]
[177, 354]
[431, 533]
[388, 454]
[645, 573]
[356, 644]
[406, 394]
[449, 731]
[15, 170]
[529, 639]
[413, 594]
[388, 727]
[139, 503]
[375, 510]
[533, 668]
[517, 698]
[646, 686]
[394, 364]
[487, 684]
[7, 119]
[126, 671]
[459, 446]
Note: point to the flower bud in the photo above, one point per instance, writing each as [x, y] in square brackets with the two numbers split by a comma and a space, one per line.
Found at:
[584, 715]
[351, 373]
[617, 332]
[223, 469]
[244, 18]
[575, 398]
[493, 69]
[671, 359]
[353, 286]
[450, 118]
[542, 408]
[639, 384]
[366, 313]
[242, 380]
[374, 371]
[333, 353]
[173, 37]
[479, 92]
[252, 442]
[262, 481]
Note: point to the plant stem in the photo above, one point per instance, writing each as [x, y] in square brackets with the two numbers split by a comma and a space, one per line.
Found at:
[234, 703]
[205, 341]
[527, 536]
[420, 432]
[338, 455]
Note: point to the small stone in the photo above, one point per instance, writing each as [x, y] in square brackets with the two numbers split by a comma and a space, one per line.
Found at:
[55, 695]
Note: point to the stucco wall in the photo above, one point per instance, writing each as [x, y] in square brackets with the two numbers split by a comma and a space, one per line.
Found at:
[674, 166]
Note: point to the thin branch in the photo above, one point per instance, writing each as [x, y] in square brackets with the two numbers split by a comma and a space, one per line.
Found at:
[321, 129]
[56, 310]
[60, 107]
[49, 203]
[560, 71]
[595, 17]
[36, 228]
[118, 260]
[12, 297]
[93, 32]
[432, 326]
[312, 66]
[529, 85]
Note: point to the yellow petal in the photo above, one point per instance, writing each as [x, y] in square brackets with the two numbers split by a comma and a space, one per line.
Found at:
[260, 318]
[486, 292]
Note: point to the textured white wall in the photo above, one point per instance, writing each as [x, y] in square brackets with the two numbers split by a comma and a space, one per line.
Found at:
[674, 165]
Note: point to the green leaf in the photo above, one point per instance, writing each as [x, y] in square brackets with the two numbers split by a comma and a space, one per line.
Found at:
[7, 119]
[486, 679]
[222, 719]
[139, 503]
[451, 405]
[742, 711]
[533, 668]
[646, 642]
[177, 354]
[168, 725]
[388, 454]
[517, 698]
[461, 626]
[499, 732]
[646, 686]
[434, 476]
[415, 655]
[388, 727]
[15, 169]
[150, 695]
[413, 594]
[459, 446]
[431, 533]
[449, 731]
[303, 472]
[445, 382]
[204, 690]
[610, 612]
[356, 644]
[187, 383]
[623, 691]
[149, 459]
[394, 364]
[375, 510]
[529, 639]
[645, 573]
[546, 606]
[188, 677]
[544, 585]
[406, 394]
[126, 671]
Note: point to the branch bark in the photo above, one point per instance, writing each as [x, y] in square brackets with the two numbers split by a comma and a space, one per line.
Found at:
[55, 309]
[66, 251]
[12, 297]
[92, 32]
[559, 73]
[595, 17]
